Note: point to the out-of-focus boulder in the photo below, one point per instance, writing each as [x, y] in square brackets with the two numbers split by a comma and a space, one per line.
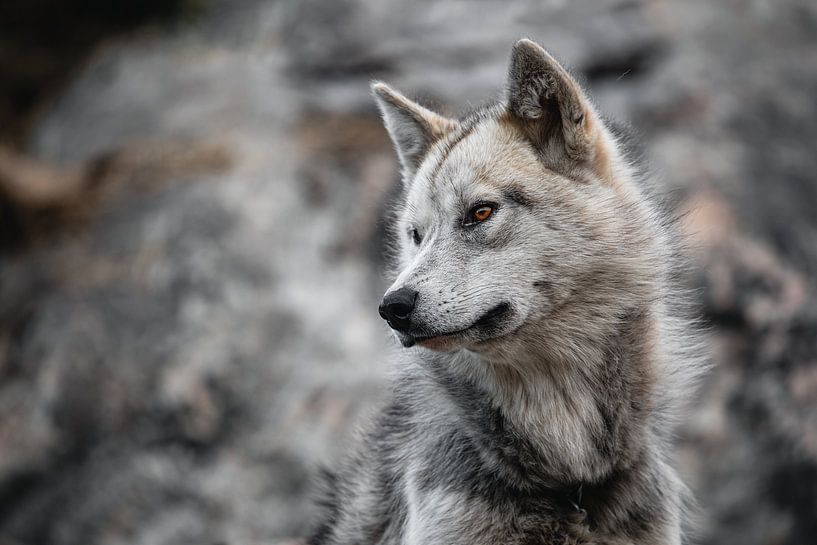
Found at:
[176, 365]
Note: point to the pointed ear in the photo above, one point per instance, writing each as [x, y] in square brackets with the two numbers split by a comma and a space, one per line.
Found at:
[550, 102]
[412, 127]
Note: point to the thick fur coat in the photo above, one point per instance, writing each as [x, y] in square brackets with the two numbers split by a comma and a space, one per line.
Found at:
[547, 346]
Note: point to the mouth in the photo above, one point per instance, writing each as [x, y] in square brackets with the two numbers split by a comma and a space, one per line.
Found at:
[490, 319]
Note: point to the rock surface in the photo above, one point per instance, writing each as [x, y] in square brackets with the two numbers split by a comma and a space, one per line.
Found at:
[174, 367]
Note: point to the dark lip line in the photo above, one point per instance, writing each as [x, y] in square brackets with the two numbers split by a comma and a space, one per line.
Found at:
[481, 321]
[498, 310]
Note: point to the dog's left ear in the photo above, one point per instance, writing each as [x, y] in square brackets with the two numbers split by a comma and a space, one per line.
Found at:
[550, 103]
[412, 128]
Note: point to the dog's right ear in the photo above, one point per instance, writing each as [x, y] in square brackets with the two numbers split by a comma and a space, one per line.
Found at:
[412, 128]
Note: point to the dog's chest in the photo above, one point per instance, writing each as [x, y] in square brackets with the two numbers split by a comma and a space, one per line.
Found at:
[445, 516]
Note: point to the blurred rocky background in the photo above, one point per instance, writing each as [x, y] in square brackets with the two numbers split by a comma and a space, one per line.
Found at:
[191, 242]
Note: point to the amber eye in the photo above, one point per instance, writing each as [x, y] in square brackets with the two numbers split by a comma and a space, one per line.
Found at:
[479, 213]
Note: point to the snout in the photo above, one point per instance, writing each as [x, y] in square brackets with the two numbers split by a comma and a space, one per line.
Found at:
[397, 306]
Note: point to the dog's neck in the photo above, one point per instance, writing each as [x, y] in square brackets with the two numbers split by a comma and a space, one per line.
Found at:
[583, 406]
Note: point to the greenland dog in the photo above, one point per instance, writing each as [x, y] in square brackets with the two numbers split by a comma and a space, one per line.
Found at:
[547, 352]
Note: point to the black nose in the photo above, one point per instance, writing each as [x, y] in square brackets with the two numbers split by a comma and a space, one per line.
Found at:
[396, 307]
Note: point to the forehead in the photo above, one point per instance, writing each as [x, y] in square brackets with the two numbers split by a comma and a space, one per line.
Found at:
[483, 160]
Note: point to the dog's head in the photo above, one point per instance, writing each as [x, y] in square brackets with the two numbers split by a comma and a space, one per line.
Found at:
[509, 216]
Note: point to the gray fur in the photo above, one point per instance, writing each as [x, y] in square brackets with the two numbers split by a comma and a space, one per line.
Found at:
[553, 355]
[412, 127]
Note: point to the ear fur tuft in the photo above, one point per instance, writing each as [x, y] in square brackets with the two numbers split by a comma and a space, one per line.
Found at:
[412, 127]
[542, 92]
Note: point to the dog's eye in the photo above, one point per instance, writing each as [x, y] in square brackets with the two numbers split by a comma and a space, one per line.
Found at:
[415, 236]
[479, 213]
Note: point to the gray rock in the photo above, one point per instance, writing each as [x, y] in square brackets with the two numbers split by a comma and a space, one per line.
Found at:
[175, 369]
